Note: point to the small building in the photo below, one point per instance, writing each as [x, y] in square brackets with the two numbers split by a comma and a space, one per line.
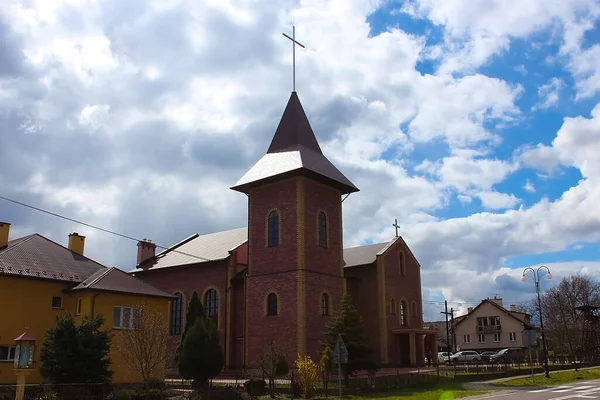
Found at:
[490, 326]
[40, 279]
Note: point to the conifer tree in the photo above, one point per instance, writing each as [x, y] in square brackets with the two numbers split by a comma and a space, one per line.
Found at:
[76, 353]
[201, 356]
[349, 324]
[195, 310]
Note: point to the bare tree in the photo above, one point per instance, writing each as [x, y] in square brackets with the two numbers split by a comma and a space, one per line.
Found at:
[562, 323]
[144, 348]
[272, 362]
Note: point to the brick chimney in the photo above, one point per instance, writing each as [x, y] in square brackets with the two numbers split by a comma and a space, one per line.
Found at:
[469, 309]
[497, 301]
[513, 307]
[76, 243]
[4, 231]
[146, 250]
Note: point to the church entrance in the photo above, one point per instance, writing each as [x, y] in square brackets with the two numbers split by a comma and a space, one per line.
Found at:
[404, 350]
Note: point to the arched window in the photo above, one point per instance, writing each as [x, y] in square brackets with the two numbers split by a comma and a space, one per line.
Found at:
[273, 231]
[176, 314]
[402, 264]
[414, 309]
[403, 320]
[325, 304]
[392, 306]
[211, 304]
[272, 304]
[322, 229]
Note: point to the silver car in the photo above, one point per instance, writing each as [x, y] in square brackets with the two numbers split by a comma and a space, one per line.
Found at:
[466, 356]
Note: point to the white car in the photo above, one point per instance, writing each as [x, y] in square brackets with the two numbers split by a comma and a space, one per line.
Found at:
[443, 356]
[466, 356]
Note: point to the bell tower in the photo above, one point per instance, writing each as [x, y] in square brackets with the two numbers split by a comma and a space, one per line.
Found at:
[295, 263]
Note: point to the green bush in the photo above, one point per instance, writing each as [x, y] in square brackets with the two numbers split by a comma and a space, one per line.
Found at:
[155, 383]
[255, 387]
[226, 393]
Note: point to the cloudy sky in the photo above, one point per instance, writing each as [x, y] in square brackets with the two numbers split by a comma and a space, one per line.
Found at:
[476, 123]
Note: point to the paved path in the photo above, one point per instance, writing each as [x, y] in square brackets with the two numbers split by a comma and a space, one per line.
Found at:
[580, 390]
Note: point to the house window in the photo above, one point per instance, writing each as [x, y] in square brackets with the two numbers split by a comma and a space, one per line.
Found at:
[272, 304]
[176, 314]
[322, 229]
[57, 302]
[467, 338]
[403, 307]
[497, 337]
[481, 338]
[414, 309]
[325, 304]
[78, 311]
[512, 336]
[211, 303]
[7, 353]
[125, 317]
[273, 229]
[392, 306]
[402, 264]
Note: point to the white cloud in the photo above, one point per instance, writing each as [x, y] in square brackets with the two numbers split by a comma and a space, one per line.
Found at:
[497, 201]
[94, 116]
[529, 186]
[549, 93]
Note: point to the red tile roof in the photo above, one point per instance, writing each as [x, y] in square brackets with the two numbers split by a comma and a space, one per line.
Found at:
[39, 257]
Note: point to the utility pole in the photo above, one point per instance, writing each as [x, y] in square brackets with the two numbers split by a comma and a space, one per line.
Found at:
[446, 313]
[453, 331]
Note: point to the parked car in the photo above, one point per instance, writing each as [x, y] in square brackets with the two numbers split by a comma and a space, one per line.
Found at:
[466, 356]
[444, 356]
[509, 355]
[486, 355]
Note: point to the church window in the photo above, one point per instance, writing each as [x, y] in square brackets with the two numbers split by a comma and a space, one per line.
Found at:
[392, 306]
[272, 304]
[403, 319]
[322, 229]
[414, 309]
[176, 314]
[273, 229]
[402, 264]
[324, 304]
[211, 303]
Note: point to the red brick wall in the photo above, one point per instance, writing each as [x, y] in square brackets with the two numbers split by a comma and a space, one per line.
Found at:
[398, 286]
[323, 265]
[272, 268]
[364, 297]
[197, 277]
[237, 329]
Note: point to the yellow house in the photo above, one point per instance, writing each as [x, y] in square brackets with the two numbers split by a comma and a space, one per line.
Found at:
[39, 279]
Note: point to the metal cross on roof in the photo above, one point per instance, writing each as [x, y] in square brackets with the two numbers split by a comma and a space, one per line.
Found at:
[294, 43]
[395, 225]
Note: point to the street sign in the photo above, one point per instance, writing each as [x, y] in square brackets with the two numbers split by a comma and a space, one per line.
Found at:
[340, 352]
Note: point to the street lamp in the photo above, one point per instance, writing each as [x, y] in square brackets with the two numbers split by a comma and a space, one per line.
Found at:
[536, 278]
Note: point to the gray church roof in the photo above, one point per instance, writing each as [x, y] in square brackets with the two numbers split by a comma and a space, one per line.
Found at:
[294, 150]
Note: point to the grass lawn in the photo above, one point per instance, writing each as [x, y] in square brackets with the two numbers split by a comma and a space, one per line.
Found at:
[556, 378]
[419, 394]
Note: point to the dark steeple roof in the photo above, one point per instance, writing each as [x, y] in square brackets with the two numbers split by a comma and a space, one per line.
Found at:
[294, 150]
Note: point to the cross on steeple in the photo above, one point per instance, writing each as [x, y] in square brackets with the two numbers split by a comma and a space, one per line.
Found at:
[294, 43]
[395, 224]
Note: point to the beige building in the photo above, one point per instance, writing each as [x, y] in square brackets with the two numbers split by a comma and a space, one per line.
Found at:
[490, 326]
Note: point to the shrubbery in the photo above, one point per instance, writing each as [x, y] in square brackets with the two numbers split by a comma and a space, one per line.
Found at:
[256, 387]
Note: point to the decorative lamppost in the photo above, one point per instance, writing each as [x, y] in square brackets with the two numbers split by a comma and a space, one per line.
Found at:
[23, 364]
[536, 278]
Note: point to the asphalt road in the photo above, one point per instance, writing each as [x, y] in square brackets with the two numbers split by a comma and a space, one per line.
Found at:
[581, 390]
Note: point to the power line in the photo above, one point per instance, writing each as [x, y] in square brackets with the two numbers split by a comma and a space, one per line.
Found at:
[96, 227]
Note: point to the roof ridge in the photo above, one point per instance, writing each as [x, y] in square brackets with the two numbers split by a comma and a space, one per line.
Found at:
[21, 240]
[99, 277]
[176, 245]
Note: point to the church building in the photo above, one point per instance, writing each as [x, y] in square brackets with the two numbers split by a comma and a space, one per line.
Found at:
[282, 277]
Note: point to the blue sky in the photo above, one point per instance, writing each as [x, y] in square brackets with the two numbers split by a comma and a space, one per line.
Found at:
[475, 123]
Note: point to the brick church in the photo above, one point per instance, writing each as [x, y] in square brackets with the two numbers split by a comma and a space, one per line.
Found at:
[282, 277]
